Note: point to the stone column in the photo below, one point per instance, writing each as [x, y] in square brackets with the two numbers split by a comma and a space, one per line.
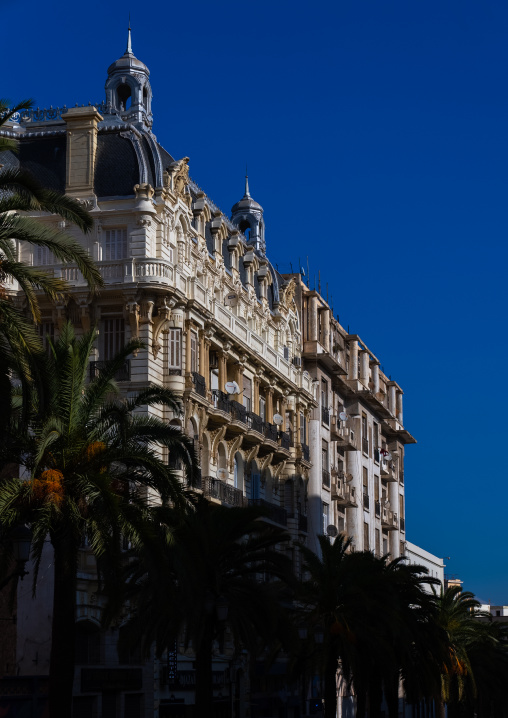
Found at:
[392, 398]
[364, 368]
[313, 319]
[222, 370]
[81, 149]
[202, 369]
[325, 329]
[206, 349]
[400, 416]
[187, 347]
[269, 404]
[394, 536]
[375, 377]
[353, 360]
[239, 380]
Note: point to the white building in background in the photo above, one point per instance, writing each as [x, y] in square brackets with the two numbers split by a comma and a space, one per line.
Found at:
[419, 557]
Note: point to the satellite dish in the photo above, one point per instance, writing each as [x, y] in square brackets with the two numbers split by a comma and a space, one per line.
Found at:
[222, 474]
[343, 416]
[277, 419]
[232, 387]
[231, 300]
[331, 530]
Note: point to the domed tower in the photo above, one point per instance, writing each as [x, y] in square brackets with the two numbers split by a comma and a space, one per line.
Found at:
[128, 90]
[247, 214]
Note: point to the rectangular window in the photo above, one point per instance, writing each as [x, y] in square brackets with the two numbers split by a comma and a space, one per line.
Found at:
[376, 436]
[376, 488]
[194, 351]
[262, 408]
[365, 481]
[114, 337]
[325, 456]
[116, 244]
[366, 545]
[303, 428]
[324, 393]
[385, 545]
[43, 257]
[365, 436]
[326, 517]
[378, 542]
[247, 392]
[175, 349]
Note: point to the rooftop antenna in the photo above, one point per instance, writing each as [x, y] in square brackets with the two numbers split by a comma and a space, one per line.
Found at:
[129, 41]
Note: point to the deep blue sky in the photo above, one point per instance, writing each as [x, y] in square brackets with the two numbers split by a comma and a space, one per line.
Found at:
[376, 135]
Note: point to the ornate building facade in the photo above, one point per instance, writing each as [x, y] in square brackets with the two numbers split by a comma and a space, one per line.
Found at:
[285, 407]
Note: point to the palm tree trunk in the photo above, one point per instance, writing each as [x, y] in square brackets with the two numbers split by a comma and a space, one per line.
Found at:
[330, 693]
[63, 631]
[204, 682]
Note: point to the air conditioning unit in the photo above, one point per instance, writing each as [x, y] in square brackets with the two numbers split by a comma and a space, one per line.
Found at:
[297, 361]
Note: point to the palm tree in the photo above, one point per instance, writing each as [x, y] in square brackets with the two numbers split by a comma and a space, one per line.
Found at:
[20, 192]
[217, 561]
[91, 461]
[373, 613]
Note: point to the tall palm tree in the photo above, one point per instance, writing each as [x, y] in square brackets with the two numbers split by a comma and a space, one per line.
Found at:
[21, 193]
[91, 460]
[218, 557]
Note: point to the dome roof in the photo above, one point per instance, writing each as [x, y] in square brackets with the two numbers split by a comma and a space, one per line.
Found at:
[128, 61]
[246, 203]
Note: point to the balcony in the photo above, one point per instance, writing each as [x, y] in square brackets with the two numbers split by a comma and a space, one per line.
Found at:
[122, 374]
[198, 384]
[335, 427]
[283, 450]
[174, 380]
[347, 438]
[219, 413]
[325, 415]
[271, 440]
[366, 502]
[326, 479]
[343, 493]
[305, 453]
[273, 512]
[217, 489]
[254, 433]
[388, 470]
[389, 520]
[238, 422]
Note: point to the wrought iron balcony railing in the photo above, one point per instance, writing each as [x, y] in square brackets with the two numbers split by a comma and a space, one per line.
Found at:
[254, 422]
[275, 513]
[221, 401]
[270, 431]
[238, 411]
[217, 489]
[199, 384]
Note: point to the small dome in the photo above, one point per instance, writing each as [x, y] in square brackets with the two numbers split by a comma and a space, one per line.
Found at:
[246, 203]
[128, 62]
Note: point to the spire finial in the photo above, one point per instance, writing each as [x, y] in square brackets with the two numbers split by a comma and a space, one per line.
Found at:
[247, 193]
[129, 41]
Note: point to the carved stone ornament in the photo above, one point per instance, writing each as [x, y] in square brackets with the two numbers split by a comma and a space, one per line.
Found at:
[288, 293]
[132, 311]
[178, 172]
[161, 323]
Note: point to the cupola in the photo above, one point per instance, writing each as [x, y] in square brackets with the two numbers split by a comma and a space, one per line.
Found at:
[247, 214]
[128, 90]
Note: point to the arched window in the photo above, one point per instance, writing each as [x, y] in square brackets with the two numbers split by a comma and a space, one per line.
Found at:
[245, 228]
[145, 98]
[124, 94]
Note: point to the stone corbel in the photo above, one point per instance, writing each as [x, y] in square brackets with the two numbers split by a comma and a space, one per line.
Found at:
[217, 437]
[83, 302]
[252, 454]
[265, 463]
[279, 468]
[146, 312]
[234, 445]
[132, 312]
[160, 323]
[60, 315]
